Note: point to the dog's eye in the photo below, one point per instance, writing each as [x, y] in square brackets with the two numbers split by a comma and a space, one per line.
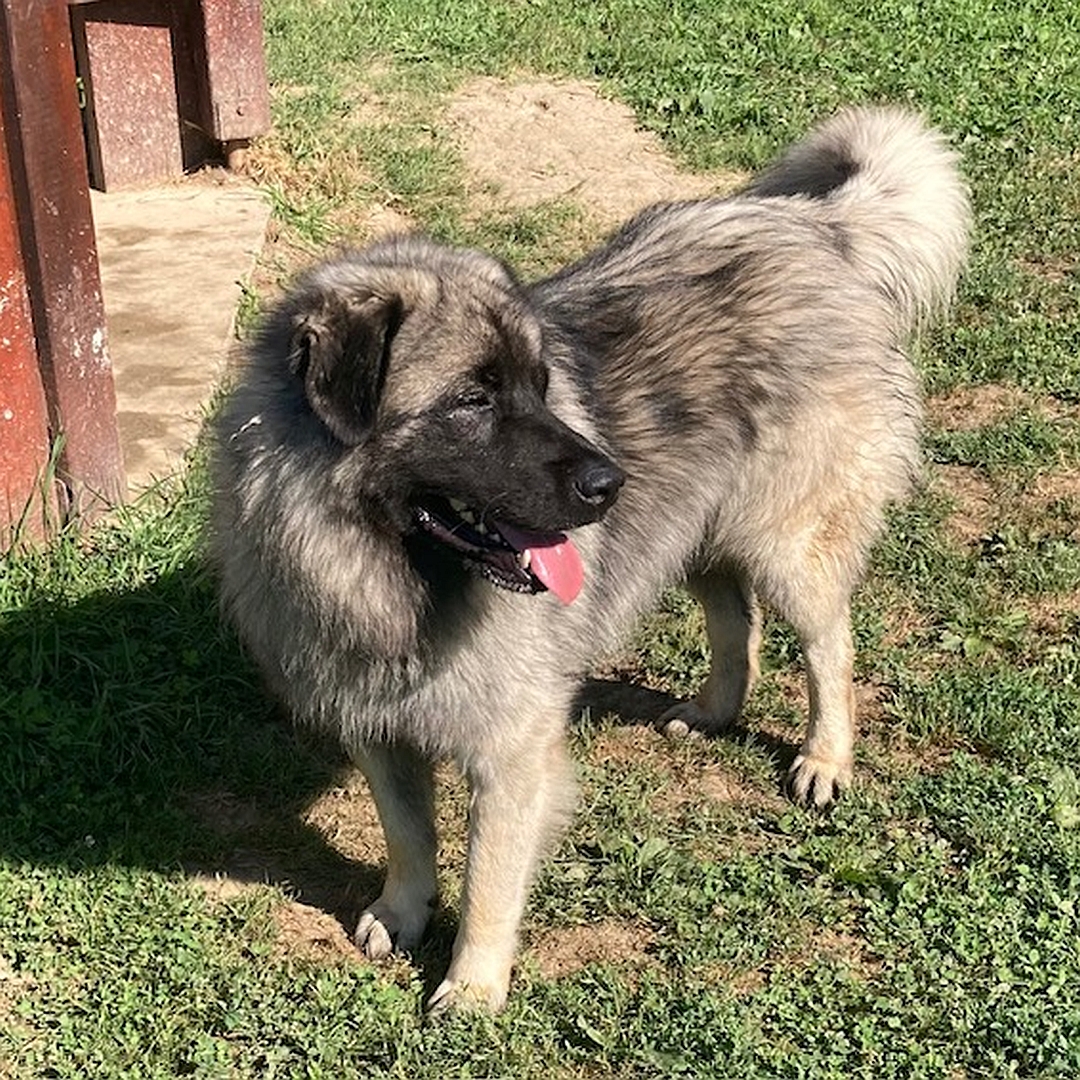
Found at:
[489, 379]
[472, 399]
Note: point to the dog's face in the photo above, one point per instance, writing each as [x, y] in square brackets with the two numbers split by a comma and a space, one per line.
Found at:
[432, 379]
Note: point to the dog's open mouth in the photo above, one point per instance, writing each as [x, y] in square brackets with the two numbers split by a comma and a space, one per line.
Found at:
[512, 558]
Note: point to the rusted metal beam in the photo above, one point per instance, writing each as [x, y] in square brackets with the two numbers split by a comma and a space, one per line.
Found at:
[27, 497]
[44, 146]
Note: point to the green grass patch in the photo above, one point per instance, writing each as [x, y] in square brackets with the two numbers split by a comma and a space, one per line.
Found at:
[1026, 443]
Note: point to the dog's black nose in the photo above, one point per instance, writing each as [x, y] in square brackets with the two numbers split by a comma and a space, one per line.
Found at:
[599, 483]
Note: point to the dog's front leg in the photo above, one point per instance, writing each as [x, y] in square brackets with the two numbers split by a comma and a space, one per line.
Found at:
[733, 623]
[401, 784]
[521, 797]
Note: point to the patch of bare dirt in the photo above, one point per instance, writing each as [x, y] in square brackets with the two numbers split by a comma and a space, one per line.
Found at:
[379, 220]
[1057, 487]
[903, 621]
[1052, 615]
[690, 784]
[564, 950]
[686, 781]
[976, 502]
[539, 141]
[968, 408]
[841, 947]
[885, 748]
[1048, 267]
[626, 745]
[311, 934]
[347, 818]
[14, 987]
[980, 505]
[888, 752]
[824, 944]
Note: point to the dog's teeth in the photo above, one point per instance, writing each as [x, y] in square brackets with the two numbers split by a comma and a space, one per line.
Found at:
[468, 515]
[525, 559]
[481, 528]
[457, 505]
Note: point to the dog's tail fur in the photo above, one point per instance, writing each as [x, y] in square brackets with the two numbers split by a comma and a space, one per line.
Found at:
[895, 184]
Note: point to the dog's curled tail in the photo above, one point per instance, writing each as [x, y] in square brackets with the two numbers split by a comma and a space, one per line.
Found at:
[894, 187]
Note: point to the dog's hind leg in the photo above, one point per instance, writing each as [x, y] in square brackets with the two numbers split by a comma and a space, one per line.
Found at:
[810, 585]
[401, 784]
[733, 624]
[521, 798]
[823, 767]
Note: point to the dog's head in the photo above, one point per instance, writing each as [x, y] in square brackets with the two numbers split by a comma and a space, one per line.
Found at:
[425, 366]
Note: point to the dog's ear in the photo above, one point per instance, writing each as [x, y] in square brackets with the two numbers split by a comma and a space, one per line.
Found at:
[341, 350]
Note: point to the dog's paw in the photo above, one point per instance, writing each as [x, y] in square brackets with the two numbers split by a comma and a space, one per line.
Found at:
[689, 720]
[818, 781]
[382, 930]
[455, 996]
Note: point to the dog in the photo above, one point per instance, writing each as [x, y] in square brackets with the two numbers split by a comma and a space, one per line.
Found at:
[439, 491]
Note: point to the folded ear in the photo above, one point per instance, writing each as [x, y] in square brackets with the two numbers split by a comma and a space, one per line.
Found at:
[341, 349]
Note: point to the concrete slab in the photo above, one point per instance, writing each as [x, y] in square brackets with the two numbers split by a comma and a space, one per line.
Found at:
[172, 262]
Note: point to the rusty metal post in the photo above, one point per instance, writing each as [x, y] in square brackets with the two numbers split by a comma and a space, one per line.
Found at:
[170, 85]
[27, 498]
[238, 106]
[44, 146]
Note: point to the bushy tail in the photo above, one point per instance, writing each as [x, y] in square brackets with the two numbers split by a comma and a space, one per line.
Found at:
[894, 186]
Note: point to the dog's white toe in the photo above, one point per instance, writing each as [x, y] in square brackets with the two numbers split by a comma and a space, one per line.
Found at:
[382, 931]
[373, 937]
[687, 720]
[454, 996]
[818, 781]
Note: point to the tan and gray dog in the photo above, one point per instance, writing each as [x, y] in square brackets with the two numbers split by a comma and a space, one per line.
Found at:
[440, 492]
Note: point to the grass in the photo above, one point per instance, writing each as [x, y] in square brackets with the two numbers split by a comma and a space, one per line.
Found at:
[928, 927]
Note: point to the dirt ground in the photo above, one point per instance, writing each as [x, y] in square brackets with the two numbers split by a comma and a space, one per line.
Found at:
[539, 141]
[527, 143]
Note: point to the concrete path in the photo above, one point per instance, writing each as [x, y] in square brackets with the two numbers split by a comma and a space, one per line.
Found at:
[172, 263]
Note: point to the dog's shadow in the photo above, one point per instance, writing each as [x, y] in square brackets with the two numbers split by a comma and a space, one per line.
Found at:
[133, 732]
[631, 705]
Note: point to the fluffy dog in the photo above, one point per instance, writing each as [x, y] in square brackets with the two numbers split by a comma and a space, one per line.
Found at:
[440, 491]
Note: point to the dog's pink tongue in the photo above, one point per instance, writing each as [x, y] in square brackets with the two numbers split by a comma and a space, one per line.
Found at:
[553, 559]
